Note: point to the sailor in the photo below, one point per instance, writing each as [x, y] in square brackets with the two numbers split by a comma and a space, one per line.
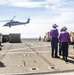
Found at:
[39, 38]
[64, 37]
[54, 41]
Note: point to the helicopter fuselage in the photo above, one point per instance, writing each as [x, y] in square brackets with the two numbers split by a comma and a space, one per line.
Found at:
[14, 23]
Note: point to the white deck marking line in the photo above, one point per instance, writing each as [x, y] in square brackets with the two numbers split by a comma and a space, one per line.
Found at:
[23, 48]
[26, 52]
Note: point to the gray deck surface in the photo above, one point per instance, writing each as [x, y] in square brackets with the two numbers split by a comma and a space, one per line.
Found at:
[32, 57]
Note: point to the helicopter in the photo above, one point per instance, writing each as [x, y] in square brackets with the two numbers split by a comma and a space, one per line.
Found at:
[14, 23]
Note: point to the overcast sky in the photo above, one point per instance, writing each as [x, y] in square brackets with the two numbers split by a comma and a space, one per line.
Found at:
[43, 14]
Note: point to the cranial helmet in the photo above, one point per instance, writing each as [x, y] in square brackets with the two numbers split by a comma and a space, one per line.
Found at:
[54, 25]
[64, 28]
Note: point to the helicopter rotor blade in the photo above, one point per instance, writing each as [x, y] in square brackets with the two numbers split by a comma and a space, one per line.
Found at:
[4, 20]
[8, 20]
[13, 17]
